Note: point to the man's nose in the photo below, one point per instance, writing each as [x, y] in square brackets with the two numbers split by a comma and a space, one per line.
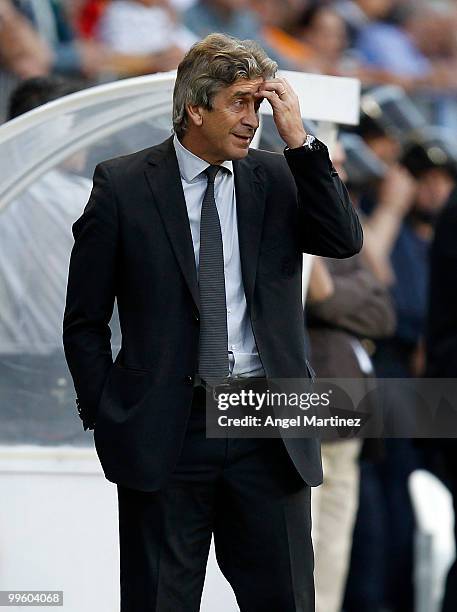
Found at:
[251, 118]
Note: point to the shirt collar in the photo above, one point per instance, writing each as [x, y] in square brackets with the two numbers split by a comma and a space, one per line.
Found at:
[190, 165]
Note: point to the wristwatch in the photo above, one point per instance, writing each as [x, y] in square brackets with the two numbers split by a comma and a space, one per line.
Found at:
[313, 144]
[309, 142]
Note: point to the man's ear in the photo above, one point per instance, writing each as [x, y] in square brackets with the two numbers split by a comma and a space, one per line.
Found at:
[195, 114]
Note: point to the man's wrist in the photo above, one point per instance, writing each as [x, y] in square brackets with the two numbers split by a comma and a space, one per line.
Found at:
[297, 141]
[311, 143]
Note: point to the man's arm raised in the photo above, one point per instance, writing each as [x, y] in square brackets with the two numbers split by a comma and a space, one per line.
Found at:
[329, 225]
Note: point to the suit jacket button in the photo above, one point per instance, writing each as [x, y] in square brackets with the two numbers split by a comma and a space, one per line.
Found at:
[196, 317]
[189, 380]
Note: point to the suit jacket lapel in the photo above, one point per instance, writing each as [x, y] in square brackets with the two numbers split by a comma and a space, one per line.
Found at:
[250, 205]
[165, 182]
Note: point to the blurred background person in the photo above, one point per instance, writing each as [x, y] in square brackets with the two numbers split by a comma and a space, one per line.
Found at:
[234, 17]
[406, 44]
[85, 16]
[382, 544]
[69, 55]
[23, 53]
[410, 43]
[126, 26]
[431, 159]
[102, 40]
[441, 347]
[346, 304]
[322, 30]
[387, 117]
[358, 13]
[278, 23]
[87, 57]
[401, 215]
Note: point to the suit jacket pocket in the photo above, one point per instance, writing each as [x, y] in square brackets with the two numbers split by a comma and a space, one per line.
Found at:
[125, 388]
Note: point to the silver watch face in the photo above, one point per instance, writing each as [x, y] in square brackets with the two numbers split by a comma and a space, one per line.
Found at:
[309, 140]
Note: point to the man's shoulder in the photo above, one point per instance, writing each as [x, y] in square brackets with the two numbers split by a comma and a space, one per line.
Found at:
[135, 160]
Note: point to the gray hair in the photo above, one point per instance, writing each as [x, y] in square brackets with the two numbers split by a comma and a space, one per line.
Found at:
[215, 62]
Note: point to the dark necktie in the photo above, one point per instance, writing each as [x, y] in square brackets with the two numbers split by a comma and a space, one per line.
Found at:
[213, 356]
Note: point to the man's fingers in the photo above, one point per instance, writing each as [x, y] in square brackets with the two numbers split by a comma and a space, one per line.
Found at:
[278, 80]
[278, 85]
[286, 110]
[277, 88]
[271, 96]
[266, 93]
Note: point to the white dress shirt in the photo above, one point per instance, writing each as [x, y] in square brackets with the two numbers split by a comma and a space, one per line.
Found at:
[243, 355]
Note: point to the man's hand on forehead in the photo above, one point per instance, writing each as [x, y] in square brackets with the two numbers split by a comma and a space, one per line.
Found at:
[277, 86]
[286, 110]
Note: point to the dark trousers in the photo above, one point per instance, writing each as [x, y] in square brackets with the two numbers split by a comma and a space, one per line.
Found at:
[244, 491]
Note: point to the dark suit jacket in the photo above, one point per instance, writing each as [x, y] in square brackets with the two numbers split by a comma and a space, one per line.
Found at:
[133, 243]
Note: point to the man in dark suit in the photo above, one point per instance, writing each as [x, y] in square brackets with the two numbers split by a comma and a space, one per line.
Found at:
[200, 239]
